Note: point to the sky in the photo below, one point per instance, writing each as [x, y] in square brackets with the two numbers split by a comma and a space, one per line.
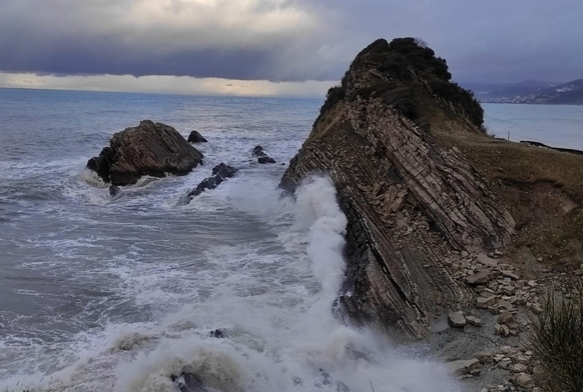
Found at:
[275, 47]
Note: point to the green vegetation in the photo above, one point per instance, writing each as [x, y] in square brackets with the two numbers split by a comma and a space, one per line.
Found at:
[406, 75]
[557, 344]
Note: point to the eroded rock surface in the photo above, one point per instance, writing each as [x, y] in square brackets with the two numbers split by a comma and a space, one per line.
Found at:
[151, 149]
[411, 204]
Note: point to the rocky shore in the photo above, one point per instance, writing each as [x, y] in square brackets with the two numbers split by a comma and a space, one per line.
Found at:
[443, 220]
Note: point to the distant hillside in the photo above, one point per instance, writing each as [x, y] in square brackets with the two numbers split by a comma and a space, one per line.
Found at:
[530, 92]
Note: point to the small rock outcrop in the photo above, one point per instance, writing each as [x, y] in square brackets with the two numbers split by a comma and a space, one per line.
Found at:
[150, 149]
[412, 203]
[196, 137]
[262, 157]
[220, 173]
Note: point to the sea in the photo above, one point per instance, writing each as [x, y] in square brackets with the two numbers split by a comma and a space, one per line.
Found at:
[139, 292]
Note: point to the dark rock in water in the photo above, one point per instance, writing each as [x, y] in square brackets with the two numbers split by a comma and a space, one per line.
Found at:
[258, 151]
[188, 382]
[264, 160]
[262, 157]
[220, 173]
[224, 171]
[196, 137]
[148, 149]
[410, 201]
[217, 333]
[113, 190]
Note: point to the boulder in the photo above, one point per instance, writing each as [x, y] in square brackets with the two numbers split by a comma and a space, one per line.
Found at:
[464, 366]
[196, 137]
[262, 157]
[456, 319]
[481, 277]
[150, 149]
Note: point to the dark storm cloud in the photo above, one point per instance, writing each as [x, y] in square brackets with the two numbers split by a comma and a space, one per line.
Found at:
[490, 41]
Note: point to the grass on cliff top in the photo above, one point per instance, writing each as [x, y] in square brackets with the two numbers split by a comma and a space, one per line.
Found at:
[514, 162]
[547, 206]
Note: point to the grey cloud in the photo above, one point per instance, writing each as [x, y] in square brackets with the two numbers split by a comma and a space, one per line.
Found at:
[287, 40]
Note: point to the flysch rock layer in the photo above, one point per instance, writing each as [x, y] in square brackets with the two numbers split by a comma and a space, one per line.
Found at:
[152, 149]
[410, 204]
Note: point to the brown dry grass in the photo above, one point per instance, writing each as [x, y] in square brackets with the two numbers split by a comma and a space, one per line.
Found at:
[542, 189]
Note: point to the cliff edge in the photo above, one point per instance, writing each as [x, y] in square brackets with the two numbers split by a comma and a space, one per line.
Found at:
[413, 204]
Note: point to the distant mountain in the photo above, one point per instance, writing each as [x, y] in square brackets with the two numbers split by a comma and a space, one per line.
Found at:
[530, 91]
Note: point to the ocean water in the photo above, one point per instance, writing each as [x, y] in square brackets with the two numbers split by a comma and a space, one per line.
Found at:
[553, 125]
[122, 294]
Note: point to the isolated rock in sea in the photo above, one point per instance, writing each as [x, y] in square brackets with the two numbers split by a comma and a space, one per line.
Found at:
[262, 157]
[150, 149]
[410, 201]
[196, 137]
[220, 173]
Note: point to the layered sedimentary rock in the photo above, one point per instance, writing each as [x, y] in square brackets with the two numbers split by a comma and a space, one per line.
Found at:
[411, 204]
[150, 149]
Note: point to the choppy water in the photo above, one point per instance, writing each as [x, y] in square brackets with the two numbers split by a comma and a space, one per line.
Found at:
[101, 294]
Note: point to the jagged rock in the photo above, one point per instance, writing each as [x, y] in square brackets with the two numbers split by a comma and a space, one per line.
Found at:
[501, 330]
[370, 148]
[264, 160]
[481, 277]
[146, 150]
[196, 137]
[505, 318]
[523, 380]
[485, 357]
[484, 302]
[262, 157]
[464, 366]
[456, 319]
[487, 261]
[474, 321]
[220, 173]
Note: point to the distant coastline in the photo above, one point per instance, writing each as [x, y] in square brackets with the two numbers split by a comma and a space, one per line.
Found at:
[529, 92]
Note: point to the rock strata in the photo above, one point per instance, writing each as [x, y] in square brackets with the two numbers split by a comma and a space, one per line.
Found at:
[150, 149]
[412, 205]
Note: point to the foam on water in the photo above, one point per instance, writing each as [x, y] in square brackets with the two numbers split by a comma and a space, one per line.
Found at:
[280, 333]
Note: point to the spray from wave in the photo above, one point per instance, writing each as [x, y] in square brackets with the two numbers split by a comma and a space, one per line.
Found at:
[263, 327]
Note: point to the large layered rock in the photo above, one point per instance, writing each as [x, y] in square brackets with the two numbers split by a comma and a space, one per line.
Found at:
[152, 149]
[411, 204]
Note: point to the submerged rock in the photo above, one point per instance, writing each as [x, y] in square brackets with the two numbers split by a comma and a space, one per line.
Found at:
[188, 382]
[409, 200]
[146, 150]
[220, 173]
[196, 137]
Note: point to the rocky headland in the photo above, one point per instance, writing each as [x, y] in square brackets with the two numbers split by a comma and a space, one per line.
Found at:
[453, 237]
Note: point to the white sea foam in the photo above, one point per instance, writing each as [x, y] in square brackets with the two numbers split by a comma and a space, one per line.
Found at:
[280, 334]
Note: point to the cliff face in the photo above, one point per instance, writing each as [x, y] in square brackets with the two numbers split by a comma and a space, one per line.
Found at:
[411, 204]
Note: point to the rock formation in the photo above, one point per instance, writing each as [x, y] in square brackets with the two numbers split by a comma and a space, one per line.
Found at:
[148, 149]
[411, 203]
[220, 173]
[262, 157]
[196, 137]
